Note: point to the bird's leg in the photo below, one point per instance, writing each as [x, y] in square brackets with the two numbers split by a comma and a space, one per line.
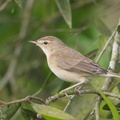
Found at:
[77, 88]
[80, 84]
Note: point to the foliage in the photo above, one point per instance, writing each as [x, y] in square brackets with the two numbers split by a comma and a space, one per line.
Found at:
[23, 69]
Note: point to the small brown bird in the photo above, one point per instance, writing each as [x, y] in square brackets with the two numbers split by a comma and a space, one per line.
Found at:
[69, 64]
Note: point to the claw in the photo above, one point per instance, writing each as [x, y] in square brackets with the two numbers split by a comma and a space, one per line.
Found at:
[77, 89]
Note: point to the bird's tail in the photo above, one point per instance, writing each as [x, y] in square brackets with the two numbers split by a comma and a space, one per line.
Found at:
[112, 74]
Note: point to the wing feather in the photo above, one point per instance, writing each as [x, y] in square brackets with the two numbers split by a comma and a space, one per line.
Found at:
[73, 61]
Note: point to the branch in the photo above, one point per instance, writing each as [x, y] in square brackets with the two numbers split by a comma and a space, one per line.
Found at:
[78, 93]
[26, 99]
[56, 97]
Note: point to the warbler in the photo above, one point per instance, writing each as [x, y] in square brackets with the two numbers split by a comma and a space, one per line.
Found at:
[68, 64]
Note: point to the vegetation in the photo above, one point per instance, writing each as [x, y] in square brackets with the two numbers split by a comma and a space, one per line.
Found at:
[26, 82]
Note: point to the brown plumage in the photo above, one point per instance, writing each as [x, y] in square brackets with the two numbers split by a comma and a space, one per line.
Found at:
[76, 62]
[69, 64]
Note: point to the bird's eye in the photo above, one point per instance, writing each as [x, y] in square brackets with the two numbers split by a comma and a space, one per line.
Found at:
[45, 42]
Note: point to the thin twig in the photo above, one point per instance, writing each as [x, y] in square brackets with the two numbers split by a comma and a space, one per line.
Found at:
[71, 97]
[26, 99]
[105, 47]
[69, 93]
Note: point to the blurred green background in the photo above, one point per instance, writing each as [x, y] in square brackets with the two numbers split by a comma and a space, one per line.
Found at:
[23, 66]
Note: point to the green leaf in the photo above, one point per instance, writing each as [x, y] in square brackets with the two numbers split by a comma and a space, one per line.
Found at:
[28, 114]
[110, 104]
[109, 115]
[11, 111]
[106, 107]
[51, 113]
[65, 9]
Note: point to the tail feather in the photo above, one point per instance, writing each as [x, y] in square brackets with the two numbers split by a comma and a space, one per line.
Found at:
[112, 74]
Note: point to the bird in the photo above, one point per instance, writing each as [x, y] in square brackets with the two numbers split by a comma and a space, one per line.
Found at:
[68, 64]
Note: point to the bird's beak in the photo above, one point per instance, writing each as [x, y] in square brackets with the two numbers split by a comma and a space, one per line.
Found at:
[33, 42]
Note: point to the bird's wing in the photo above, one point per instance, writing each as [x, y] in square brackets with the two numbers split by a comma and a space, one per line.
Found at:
[73, 61]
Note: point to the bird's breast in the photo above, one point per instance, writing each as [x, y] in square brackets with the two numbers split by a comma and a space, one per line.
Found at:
[61, 73]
